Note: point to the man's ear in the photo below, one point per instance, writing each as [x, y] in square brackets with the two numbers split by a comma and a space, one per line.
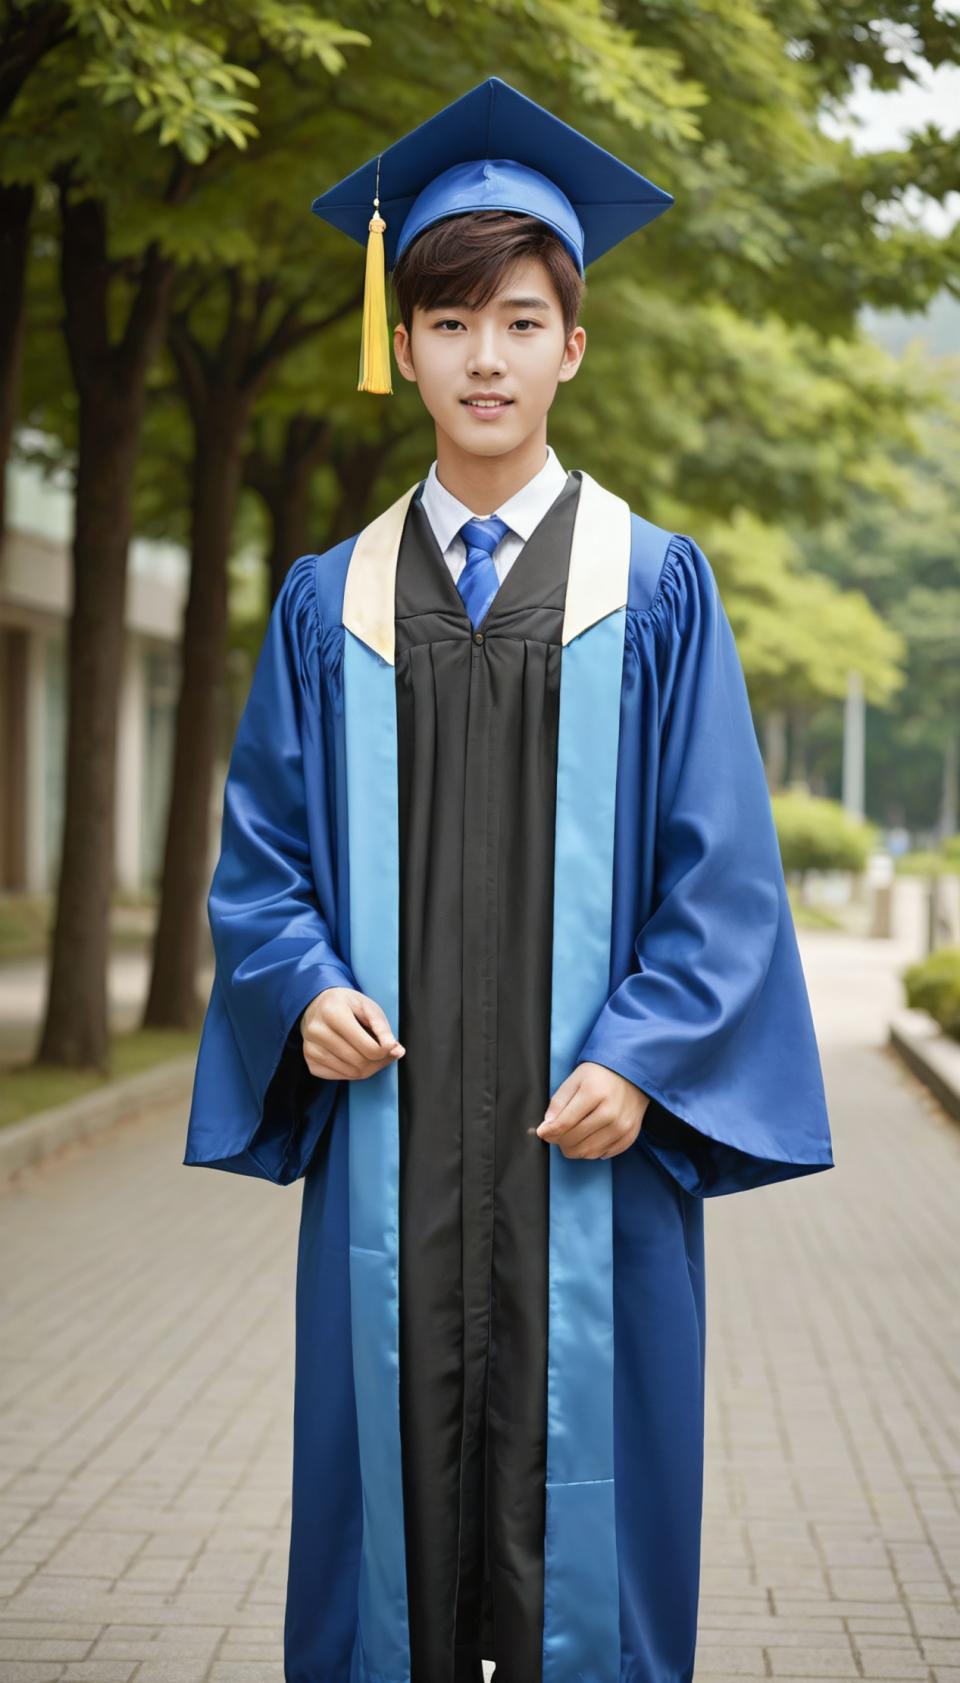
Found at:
[402, 352]
[573, 353]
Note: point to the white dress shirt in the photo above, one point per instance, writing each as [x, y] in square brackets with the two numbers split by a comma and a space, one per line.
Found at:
[522, 512]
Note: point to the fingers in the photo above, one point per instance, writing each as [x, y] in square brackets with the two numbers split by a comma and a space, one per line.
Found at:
[334, 1069]
[603, 1142]
[348, 1036]
[574, 1099]
[374, 1018]
[355, 1029]
[563, 1095]
[595, 1121]
[593, 1113]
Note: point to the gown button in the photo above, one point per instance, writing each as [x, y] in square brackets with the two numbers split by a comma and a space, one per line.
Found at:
[478, 636]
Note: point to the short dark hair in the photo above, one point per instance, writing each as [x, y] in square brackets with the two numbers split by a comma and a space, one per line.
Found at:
[463, 258]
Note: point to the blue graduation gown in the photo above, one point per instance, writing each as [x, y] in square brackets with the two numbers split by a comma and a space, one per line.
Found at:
[674, 962]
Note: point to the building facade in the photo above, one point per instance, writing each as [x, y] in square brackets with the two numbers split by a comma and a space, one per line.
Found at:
[35, 598]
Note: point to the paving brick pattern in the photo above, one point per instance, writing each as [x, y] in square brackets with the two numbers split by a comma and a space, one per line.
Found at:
[146, 1398]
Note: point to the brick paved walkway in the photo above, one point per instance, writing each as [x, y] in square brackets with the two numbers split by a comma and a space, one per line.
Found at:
[146, 1395]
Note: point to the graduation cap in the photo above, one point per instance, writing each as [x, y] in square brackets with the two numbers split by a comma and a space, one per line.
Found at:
[500, 151]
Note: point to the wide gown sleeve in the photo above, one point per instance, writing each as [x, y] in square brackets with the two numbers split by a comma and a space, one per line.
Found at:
[256, 1108]
[714, 1023]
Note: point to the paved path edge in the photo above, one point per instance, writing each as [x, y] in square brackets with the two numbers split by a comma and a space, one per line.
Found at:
[931, 1054]
[38, 1136]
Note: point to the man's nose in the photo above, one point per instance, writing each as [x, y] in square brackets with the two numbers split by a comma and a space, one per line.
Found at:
[486, 353]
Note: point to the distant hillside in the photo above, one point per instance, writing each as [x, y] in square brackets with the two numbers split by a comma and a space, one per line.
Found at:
[938, 328]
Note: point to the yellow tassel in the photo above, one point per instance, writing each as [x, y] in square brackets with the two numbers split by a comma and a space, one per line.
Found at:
[375, 338]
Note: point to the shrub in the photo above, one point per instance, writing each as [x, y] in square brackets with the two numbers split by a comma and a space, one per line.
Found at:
[819, 835]
[933, 985]
[931, 863]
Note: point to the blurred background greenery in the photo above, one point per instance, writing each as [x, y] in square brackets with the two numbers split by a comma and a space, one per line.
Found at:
[772, 367]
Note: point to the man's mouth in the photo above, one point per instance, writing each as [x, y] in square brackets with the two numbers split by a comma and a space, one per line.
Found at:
[486, 402]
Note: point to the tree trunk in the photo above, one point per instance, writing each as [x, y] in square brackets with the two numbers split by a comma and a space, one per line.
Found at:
[949, 820]
[111, 383]
[29, 33]
[286, 493]
[775, 748]
[357, 473]
[16, 207]
[173, 1001]
[290, 522]
[798, 748]
[76, 1031]
[284, 485]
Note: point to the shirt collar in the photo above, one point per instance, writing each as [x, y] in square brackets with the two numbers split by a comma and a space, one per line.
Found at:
[522, 512]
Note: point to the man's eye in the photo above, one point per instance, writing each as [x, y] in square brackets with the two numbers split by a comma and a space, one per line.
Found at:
[525, 323]
[450, 322]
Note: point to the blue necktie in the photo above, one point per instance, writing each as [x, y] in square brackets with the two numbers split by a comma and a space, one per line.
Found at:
[478, 582]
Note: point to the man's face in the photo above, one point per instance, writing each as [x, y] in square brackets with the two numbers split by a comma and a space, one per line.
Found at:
[515, 347]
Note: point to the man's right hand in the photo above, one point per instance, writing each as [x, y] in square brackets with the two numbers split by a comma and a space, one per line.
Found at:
[346, 1036]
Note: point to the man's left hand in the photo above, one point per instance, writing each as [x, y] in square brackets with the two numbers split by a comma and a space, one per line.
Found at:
[594, 1113]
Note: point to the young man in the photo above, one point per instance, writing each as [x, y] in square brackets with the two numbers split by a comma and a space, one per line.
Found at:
[505, 972]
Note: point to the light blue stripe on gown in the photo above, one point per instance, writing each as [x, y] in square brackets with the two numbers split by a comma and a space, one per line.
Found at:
[581, 1633]
[581, 1597]
[382, 1651]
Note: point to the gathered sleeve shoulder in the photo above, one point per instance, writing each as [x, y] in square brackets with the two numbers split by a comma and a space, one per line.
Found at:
[256, 1107]
[714, 1020]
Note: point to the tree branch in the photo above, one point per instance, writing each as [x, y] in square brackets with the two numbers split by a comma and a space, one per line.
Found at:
[147, 318]
[29, 36]
[289, 333]
[85, 278]
[190, 365]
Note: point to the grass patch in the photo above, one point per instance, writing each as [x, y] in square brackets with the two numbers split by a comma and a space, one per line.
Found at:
[812, 917]
[24, 925]
[26, 1090]
[26, 922]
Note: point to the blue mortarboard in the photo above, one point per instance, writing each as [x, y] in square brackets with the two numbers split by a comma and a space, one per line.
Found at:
[500, 150]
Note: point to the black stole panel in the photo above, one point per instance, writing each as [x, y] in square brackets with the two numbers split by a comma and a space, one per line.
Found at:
[477, 718]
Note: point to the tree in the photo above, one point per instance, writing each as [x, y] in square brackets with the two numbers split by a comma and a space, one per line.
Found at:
[118, 188]
[903, 555]
[239, 320]
[753, 280]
